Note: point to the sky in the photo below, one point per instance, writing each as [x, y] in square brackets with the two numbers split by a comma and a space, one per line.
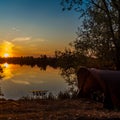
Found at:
[35, 27]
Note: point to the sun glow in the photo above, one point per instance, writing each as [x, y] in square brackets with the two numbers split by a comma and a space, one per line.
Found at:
[6, 49]
[6, 55]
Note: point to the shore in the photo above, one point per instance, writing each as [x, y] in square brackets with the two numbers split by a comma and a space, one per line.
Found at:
[55, 110]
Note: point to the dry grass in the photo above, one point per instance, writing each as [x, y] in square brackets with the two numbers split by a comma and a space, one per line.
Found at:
[55, 110]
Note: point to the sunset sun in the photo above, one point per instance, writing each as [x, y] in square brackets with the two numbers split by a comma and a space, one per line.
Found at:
[6, 49]
[6, 55]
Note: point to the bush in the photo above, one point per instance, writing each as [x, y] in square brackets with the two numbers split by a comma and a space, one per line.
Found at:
[51, 96]
[64, 95]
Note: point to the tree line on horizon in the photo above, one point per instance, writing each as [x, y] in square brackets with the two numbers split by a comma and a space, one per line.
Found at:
[43, 61]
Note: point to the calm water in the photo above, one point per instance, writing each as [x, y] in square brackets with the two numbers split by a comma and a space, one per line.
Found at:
[19, 80]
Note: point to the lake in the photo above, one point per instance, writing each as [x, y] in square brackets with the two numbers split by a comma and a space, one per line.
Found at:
[18, 80]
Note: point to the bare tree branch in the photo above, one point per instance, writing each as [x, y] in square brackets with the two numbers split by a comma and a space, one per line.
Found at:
[92, 1]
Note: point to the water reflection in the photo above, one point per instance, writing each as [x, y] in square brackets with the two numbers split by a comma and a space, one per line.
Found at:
[7, 71]
[6, 65]
[18, 81]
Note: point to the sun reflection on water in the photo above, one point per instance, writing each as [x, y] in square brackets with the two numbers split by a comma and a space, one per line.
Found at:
[6, 71]
[26, 78]
[6, 65]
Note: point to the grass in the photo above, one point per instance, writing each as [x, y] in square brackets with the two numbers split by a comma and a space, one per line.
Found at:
[63, 107]
[60, 109]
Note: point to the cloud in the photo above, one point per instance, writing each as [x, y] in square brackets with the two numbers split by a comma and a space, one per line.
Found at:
[28, 38]
[21, 82]
[19, 39]
[15, 29]
[40, 39]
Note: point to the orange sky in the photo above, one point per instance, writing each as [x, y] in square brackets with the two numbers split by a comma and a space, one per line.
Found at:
[31, 28]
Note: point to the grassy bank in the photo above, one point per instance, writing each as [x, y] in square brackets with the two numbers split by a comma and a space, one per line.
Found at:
[55, 110]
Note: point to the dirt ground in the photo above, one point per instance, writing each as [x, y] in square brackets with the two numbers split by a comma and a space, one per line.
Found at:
[55, 110]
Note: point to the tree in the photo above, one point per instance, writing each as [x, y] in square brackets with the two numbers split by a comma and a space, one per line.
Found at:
[99, 35]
